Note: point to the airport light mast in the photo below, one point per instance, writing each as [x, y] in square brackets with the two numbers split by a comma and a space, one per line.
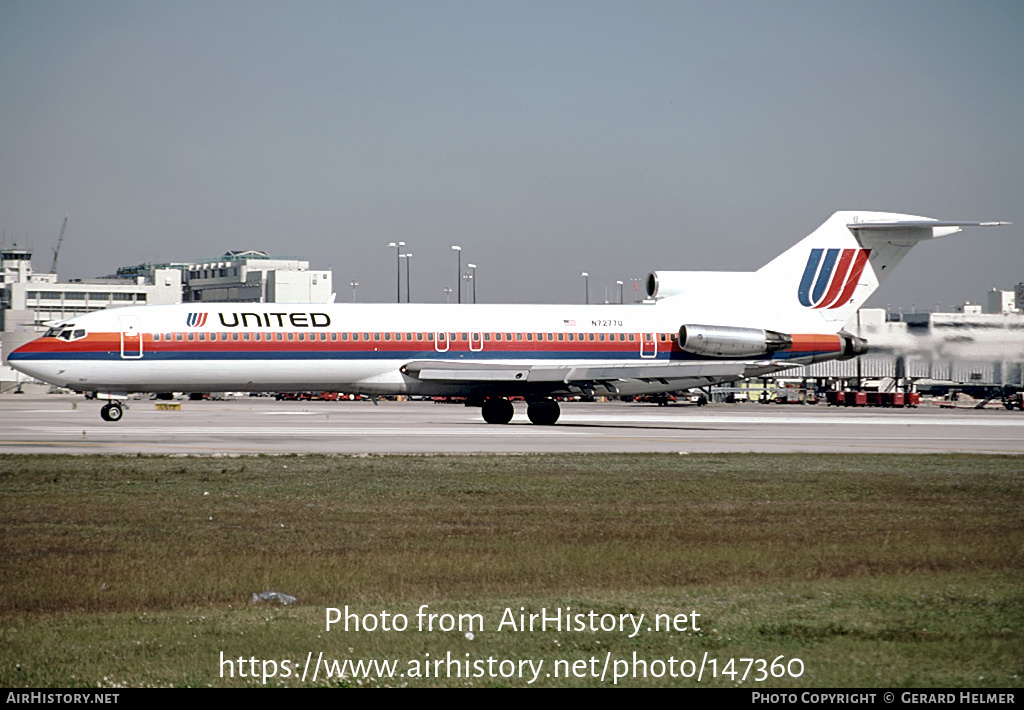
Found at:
[398, 269]
[408, 282]
[458, 272]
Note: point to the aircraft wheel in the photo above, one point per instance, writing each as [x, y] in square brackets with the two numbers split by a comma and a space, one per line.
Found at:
[112, 412]
[497, 411]
[544, 412]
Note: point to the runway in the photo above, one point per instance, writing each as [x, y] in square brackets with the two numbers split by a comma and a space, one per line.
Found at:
[40, 423]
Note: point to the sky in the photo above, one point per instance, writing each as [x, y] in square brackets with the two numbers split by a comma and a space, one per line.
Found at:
[545, 138]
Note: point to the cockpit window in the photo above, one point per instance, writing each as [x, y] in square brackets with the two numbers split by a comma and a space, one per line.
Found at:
[66, 333]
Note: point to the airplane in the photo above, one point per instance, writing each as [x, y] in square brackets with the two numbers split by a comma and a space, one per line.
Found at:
[703, 327]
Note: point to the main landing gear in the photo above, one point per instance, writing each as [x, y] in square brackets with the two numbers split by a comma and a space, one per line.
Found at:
[498, 410]
[545, 411]
[112, 412]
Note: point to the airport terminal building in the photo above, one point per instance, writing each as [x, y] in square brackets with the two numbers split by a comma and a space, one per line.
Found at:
[975, 346]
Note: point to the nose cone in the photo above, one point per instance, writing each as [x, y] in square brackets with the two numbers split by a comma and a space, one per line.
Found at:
[36, 360]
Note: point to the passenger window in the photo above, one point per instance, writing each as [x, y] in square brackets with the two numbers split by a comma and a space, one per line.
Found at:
[234, 336]
[178, 337]
[408, 336]
[561, 336]
[291, 336]
[601, 337]
[430, 337]
[519, 336]
[302, 337]
[590, 337]
[529, 336]
[419, 336]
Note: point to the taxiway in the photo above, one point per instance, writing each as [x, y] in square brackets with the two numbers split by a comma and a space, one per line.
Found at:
[40, 423]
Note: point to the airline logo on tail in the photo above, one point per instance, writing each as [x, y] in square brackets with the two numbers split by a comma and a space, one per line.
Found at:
[196, 320]
[830, 277]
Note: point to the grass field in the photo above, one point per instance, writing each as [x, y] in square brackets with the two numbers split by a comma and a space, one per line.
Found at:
[871, 570]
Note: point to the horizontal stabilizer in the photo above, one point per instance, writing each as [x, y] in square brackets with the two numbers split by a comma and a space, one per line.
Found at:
[900, 224]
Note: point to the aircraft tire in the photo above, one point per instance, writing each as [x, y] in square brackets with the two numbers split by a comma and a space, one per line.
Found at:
[497, 411]
[545, 412]
[111, 412]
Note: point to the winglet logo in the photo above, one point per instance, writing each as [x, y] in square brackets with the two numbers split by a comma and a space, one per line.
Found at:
[196, 320]
[830, 276]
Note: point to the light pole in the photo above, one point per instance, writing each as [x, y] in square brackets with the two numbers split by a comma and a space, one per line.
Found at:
[353, 284]
[447, 294]
[408, 282]
[586, 285]
[473, 277]
[620, 292]
[398, 269]
[458, 273]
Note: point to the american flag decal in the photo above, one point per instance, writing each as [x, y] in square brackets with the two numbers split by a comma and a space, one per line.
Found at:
[196, 320]
[569, 322]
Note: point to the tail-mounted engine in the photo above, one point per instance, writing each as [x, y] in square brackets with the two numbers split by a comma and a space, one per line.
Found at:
[730, 342]
[852, 345]
[724, 341]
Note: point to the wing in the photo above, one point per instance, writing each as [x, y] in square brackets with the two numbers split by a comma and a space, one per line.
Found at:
[514, 377]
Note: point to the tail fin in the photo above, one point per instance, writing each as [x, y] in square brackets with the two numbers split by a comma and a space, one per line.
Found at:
[813, 287]
[834, 270]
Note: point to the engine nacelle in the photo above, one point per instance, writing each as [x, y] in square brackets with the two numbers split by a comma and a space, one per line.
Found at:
[852, 345]
[724, 341]
[662, 284]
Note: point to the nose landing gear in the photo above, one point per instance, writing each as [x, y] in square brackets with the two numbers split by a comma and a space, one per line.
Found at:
[112, 412]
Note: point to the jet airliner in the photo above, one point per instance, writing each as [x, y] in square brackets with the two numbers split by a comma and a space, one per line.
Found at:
[704, 327]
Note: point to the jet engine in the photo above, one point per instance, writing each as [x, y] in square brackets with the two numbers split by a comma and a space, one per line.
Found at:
[725, 341]
[662, 284]
[852, 345]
